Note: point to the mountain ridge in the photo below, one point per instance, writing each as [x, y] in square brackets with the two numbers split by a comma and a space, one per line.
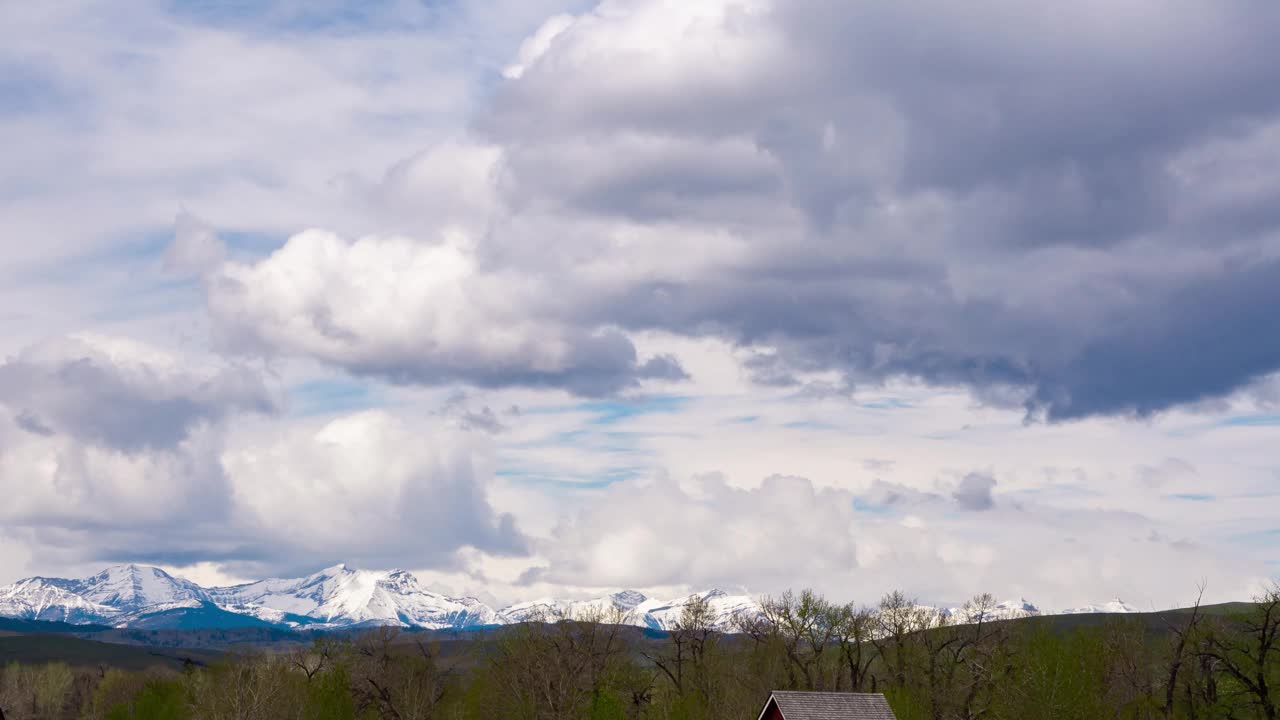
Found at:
[137, 596]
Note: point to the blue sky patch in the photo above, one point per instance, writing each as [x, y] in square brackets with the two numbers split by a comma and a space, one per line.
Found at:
[321, 397]
[608, 412]
[870, 508]
[1260, 420]
[887, 404]
[809, 425]
[549, 477]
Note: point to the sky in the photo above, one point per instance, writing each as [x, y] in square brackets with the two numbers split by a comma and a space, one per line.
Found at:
[551, 297]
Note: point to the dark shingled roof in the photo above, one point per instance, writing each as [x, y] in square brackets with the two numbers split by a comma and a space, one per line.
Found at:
[832, 706]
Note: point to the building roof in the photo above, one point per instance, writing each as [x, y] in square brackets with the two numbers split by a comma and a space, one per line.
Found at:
[830, 706]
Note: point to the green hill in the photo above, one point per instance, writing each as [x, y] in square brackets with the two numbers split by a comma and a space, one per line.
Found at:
[40, 648]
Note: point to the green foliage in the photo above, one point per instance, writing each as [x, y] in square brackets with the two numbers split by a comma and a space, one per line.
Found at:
[906, 704]
[608, 706]
[328, 696]
[52, 686]
[158, 700]
[1061, 677]
[1189, 665]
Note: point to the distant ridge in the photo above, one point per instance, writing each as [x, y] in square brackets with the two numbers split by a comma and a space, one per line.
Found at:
[143, 597]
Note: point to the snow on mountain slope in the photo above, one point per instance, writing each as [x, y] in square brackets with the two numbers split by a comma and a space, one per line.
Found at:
[632, 608]
[184, 615]
[534, 611]
[39, 599]
[1016, 608]
[621, 603]
[340, 596]
[129, 588]
[1007, 610]
[1112, 606]
[725, 609]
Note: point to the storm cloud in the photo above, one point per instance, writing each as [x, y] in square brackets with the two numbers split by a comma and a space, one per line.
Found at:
[119, 395]
[999, 196]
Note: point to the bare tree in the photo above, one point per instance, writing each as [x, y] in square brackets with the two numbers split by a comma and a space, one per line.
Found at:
[399, 683]
[979, 660]
[853, 632]
[687, 643]
[556, 670]
[315, 659]
[1245, 648]
[249, 688]
[899, 620]
[806, 626]
[1183, 636]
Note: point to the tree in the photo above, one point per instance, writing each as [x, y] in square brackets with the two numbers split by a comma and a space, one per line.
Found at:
[244, 688]
[1245, 648]
[899, 621]
[158, 700]
[1183, 637]
[315, 659]
[557, 670]
[398, 685]
[853, 632]
[688, 642]
[806, 627]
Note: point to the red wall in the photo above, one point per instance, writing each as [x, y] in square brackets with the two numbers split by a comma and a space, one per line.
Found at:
[772, 712]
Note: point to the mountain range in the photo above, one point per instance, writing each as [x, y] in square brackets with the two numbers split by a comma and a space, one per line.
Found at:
[134, 596]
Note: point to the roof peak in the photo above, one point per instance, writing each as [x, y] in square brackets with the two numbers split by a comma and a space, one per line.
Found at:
[818, 705]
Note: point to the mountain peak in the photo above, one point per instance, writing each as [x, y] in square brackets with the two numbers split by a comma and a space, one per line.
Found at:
[129, 569]
[628, 598]
[131, 587]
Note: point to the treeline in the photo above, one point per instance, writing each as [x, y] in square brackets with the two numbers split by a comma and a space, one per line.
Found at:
[1191, 665]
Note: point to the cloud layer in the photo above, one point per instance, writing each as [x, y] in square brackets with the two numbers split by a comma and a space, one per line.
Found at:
[1026, 202]
[114, 451]
[554, 296]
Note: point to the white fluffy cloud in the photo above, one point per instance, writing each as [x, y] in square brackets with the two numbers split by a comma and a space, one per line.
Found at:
[107, 446]
[785, 533]
[369, 488]
[414, 312]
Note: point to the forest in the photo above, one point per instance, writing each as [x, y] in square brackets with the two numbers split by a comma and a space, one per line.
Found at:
[1200, 663]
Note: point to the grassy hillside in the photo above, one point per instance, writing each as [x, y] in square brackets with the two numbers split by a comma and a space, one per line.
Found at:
[35, 641]
[14, 625]
[41, 648]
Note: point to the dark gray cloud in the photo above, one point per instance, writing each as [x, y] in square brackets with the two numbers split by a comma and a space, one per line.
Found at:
[456, 406]
[974, 492]
[78, 388]
[1044, 204]
[599, 364]
[32, 424]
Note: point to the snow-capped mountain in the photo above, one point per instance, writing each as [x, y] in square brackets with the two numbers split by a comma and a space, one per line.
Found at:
[339, 597]
[633, 608]
[1007, 610]
[725, 608]
[129, 588]
[38, 599]
[117, 591]
[616, 604]
[1112, 606]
